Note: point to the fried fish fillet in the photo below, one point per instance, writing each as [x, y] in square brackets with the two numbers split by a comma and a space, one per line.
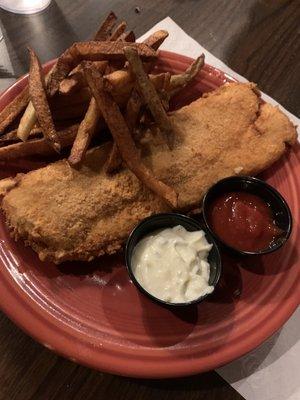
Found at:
[67, 214]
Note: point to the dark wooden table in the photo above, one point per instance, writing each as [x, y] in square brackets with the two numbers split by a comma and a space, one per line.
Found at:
[259, 39]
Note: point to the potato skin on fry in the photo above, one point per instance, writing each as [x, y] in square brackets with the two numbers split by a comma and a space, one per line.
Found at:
[93, 51]
[13, 109]
[37, 146]
[76, 79]
[85, 133]
[179, 81]
[106, 27]
[118, 31]
[123, 139]
[37, 92]
[149, 93]
[156, 39]
[133, 108]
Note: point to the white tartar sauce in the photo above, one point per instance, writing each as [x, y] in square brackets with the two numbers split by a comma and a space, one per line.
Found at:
[171, 264]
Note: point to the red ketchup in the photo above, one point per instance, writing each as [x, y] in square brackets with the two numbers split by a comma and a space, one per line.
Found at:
[243, 221]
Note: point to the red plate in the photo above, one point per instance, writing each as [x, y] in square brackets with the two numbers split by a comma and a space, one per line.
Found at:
[92, 313]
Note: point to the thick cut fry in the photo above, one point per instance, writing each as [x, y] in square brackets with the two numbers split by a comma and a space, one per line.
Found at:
[106, 27]
[104, 34]
[12, 136]
[156, 39]
[85, 133]
[37, 91]
[93, 51]
[133, 109]
[181, 80]
[37, 146]
[149, 94]
[76, 79]
[13, 109]
[127, 37]
[99, 65]
[120, 83]
[27, 122]
[161, 81]
[29, 118]
[132, 113]
[89, 124]
[72, 83]
[119, 30]
[122, 137]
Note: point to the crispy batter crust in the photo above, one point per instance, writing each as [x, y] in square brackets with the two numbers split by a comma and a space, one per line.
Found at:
[66, 214]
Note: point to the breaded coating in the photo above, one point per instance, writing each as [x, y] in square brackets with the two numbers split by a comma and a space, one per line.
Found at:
[66, 214]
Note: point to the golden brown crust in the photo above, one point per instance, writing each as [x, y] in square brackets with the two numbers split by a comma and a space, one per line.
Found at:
[67, 214]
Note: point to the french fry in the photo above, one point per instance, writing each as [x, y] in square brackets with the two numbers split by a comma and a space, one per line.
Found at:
[106, 27]
[133, 109]
[93, 51]
[27, 122]
[181, 80]
[88, 125]
[104, 33]
[29, 119]
[149, 94]
[85, 133]
[37, 92]
[123, 139]
[127, 37]
[37, 146]
[76, 79]
[132, 113]
[120, 83]
[119, 30]
[12, 136]
[13, 109]
[161, 81]
[156, 39]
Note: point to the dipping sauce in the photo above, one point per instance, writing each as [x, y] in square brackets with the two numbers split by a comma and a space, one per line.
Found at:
[171, 264]
[244, 221]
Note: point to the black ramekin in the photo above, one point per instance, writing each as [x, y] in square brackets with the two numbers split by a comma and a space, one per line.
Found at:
[169, 220]
[279, 207]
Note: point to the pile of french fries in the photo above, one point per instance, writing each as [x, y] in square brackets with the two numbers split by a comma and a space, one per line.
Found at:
[107, 82]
